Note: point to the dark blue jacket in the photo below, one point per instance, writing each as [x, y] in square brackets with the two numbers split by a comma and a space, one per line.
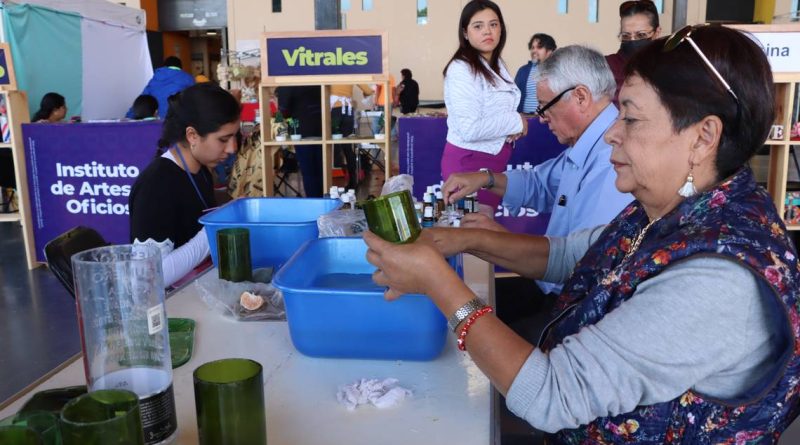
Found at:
[165, 82]
[521, 79]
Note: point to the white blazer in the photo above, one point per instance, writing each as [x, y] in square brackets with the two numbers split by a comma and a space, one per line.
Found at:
[480, 115]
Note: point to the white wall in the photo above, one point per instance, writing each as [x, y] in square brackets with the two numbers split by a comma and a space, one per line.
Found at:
[425, 49]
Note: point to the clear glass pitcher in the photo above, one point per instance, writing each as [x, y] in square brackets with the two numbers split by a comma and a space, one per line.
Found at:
[124, 335]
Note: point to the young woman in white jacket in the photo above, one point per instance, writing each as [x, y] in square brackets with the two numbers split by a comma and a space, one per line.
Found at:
[481, 99]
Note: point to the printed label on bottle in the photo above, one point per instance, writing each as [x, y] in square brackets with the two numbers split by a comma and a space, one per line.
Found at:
[159, 419]
[155, 319]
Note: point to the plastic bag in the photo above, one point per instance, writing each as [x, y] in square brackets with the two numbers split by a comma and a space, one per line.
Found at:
[224, 297]
[398, 183]
[344, 222]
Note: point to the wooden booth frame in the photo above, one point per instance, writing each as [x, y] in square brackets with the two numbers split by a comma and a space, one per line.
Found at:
[269, 83]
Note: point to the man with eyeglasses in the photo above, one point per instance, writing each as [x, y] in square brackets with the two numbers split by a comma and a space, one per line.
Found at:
[577, 187]
[638, 26]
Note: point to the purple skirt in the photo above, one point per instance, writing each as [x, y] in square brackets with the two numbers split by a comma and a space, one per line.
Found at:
[457, 160]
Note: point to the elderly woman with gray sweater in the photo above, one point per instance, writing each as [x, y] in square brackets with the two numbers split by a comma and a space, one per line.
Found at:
[678, 321]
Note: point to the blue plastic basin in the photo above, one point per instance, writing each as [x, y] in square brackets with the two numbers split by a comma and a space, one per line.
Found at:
[335, 310]
[278, 226]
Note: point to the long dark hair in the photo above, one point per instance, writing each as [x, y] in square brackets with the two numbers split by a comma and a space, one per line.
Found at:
[205, 107]
[469, 54]
[50, 102]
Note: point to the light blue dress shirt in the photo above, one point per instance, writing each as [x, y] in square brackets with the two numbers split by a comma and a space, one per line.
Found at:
[576, 187]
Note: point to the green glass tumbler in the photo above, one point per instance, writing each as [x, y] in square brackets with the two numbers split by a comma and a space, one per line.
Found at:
[229, 398]
[43, 423]
[102, 417]
[392, 217]
[19, 435]
[233, 247]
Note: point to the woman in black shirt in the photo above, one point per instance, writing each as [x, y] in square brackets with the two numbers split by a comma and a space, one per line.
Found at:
[170, 195]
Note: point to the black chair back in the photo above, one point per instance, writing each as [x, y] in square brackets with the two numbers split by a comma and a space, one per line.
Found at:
[59, 251]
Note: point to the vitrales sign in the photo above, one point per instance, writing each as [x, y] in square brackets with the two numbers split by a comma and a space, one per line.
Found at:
[325, 55]
[782, 50]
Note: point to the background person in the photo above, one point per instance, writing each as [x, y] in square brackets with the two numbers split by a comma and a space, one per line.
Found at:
[177, 187]
[408, 92]
[342, 113]
[166, 81]
[145, 107]
[52, 108]
[679, 319]
[481, 99]
[304, 103]
[541, 46]
[638, 26]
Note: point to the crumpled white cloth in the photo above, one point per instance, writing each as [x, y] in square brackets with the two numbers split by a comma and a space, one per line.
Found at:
[382, 394]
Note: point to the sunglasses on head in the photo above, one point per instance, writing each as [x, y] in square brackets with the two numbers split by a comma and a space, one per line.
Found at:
[640, 5]
[685, 35]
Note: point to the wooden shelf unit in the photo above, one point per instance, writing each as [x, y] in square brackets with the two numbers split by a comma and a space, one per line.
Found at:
[786, 90]
[326, 141]
[18, 114]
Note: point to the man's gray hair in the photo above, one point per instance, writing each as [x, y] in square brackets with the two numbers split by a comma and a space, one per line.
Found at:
[574, 65]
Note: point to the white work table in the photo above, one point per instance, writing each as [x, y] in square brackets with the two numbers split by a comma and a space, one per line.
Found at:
[452, 400]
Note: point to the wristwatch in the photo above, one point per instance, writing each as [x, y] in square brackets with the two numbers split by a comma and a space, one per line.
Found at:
[489, 184]
[463, 312]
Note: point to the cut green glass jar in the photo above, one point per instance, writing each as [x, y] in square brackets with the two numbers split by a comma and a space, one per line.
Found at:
[43, 423]
[103, 417]
[234, 255]
[229, 398]
[392, 217]
[19, 435]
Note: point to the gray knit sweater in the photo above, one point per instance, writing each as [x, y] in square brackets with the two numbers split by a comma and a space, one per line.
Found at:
[700, 324]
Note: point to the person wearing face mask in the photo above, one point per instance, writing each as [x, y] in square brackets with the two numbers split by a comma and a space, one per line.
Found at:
[638, 26]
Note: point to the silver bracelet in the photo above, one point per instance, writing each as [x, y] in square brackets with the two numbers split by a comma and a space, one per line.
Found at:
[463, 312]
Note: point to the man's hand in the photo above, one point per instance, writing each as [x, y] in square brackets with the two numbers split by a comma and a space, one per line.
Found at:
[481, 221]
[459, 185]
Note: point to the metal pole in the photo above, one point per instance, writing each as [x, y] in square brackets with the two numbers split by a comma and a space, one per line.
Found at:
[679, 8]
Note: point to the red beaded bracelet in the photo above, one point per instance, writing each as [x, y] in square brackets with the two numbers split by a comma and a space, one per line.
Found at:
[462, 336]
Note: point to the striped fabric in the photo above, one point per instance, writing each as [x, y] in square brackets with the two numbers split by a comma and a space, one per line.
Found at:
[531, 101]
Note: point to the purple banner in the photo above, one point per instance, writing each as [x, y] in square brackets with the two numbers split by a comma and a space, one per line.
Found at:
[81, 175]
[422, 142]
[5, 78]
[303, 56]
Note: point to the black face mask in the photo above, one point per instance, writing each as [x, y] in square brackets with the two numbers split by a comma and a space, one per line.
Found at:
[629, 47]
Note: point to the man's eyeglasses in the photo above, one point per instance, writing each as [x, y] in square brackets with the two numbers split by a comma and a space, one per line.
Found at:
[684, 35]
[541, 109]
[638, 35]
